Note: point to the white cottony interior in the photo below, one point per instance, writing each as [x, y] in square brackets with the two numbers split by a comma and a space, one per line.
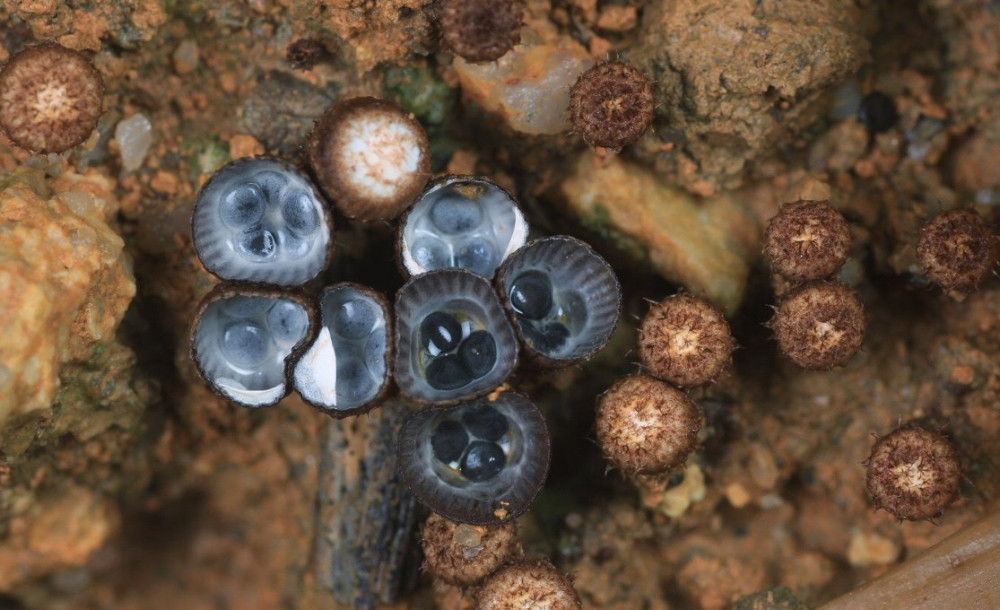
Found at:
[463, 222]
[381, 153]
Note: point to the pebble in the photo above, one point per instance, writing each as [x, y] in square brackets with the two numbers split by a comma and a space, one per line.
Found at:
[134, 136]
[185, 57]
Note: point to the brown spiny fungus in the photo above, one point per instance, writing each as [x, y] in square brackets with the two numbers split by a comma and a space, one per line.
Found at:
[957, 250]
[807, 240]
[611, 104]
[820, 325]
[50, 98]
[306, 53]
[645, 426]
[528, 584]
[463, 555]
[371, 157]
[685, 340]
[481, 30]
[913, 473]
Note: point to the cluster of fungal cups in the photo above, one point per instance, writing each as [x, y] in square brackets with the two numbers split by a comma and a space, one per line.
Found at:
[646, 424]
[479, 299]
[819, 322]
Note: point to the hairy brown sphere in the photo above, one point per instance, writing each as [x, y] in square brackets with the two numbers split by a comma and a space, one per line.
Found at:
[306, 53]
[645, 426]
[611, 105]
[958, 250]
[528, 584]
[50, 98]
[913, 473]
[481, 30]
[685, 340]
[820, 325]
[462, 554]
[807, 240]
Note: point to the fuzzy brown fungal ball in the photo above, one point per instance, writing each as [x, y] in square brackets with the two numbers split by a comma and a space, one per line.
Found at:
[820, 325]
[481, 30]
[50, 98]
[611, 105]
[645, 426]
[528, 584]
[957, 250]
[913, 473]
[371, 157]
[807, 240]
[463, 555]
[685, 340]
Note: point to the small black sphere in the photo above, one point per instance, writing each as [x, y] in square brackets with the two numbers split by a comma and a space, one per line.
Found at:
[478, 353]
[531, 295]
[442, 330]
[446, 372]
[449, 440]
[485, 422]
[878, 112]
[548, 340]
[483, 461]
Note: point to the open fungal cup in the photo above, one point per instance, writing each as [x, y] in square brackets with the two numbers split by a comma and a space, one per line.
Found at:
[461, 221]
[371, 156]
[564, 299]
[260, 220]
[346, 368]
[245, 338]
[453, 340]
[481, 463]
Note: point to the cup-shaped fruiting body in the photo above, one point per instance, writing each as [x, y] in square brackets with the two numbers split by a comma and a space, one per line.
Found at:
[246, 338]
[461, 554]
[528, 584]
[453, 339]
[645, 426]
[260, 220]
[563, 298]
[807, 240]
[50, 98]
[345, 370]
[685, 340]
[611, 105]
[957, 250]
[463, 222]
[914, 473]
[481, 30]
[370, 156]
[480, 463]
[820, 325]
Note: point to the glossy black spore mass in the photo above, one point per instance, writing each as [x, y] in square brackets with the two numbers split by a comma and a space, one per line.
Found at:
[446, 372]
[878, 112]
[531, 295]
[483, 461]
[478, 353]
[449, 441]
[485, 422]
[441, 330]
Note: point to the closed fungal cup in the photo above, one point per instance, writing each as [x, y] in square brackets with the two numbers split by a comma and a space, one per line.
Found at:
[346, 368]
[461, 221]
[453, 340]
[564, 298]
[245, 338]
[480, 463]
[260, 220]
